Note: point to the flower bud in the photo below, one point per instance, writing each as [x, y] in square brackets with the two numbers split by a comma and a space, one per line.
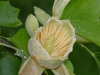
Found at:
[41, 15]
[31, 24]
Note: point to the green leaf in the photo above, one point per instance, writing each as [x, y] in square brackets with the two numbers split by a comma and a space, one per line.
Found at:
[10, 31]
[8, 15]
[97, 54]
[83, 62]
[20, 40]
[97, 59]
[94, 55]
[0, 30]
[9, 65]
[19, 52]
[69, 66]
[4, 52]
[85, 17]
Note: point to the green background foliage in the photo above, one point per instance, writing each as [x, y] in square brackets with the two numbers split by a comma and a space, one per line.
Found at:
[85, 17]
[83, 14]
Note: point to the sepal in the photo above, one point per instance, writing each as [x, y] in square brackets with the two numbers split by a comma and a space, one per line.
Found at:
[62, 70]
[41, 15]
[30, 67]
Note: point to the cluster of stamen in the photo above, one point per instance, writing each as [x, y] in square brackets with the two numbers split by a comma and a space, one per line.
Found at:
[61, 38]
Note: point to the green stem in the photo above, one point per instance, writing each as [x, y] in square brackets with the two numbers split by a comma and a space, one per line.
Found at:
[4, 38]
[46, 73]
[92, 54]
[13, 48]
[8, 46]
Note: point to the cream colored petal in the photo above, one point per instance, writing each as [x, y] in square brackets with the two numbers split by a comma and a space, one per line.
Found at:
[62, 70]
[50, 64]
[31, 24]
[58, 7]
[64, 36]
[36, 50]
[71, 33]
[30, 67]
[41, 15]
[52, 26]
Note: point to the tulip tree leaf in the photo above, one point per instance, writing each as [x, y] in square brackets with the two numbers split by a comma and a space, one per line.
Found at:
[19, 52]
[20, 40]
[97, 59]
[0, 30]
[9, 65]
[83, 62]
[8, 15]
[4, 52]
[69, 66]
[85, 17]
[94, 55]
[97, 54]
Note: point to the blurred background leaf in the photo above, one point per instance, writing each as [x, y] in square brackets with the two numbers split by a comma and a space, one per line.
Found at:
[9, 65]
[20, 40]
[85, 17]
[4, 52]
[8, 15]
[83, 62]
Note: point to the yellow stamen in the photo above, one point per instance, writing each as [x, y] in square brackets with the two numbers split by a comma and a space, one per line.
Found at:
[55, 39]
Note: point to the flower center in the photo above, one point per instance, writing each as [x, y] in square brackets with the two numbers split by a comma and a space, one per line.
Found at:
[49, 44]
[55, 39]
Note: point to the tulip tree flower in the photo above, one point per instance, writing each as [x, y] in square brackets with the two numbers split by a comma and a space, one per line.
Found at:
[49, 45]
